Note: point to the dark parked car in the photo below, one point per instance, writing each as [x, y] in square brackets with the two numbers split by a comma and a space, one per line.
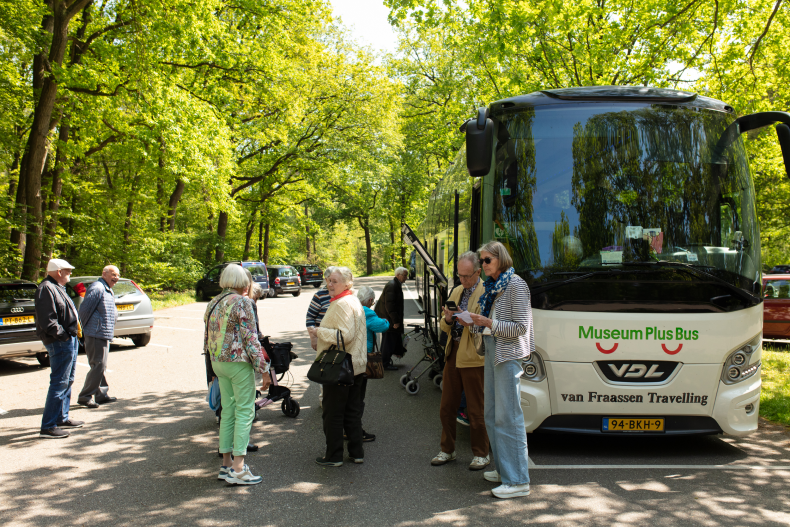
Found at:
[284, 279]
[135, 313]
[208, 286]
[18, 321]
[780, 269]
[776, 307]
[310, 274]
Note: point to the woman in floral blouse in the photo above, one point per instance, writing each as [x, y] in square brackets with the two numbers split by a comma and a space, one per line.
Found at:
[235, 352]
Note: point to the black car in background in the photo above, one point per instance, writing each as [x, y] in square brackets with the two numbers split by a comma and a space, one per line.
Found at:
[208, 286]
[310, 274]
[18, 321]
[284, 279]
[780, 269]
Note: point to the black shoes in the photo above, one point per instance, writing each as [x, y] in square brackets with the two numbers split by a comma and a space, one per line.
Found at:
[90, 403]
[391, 367]
[53, 433]
[106, 400]
[324, 463]
[71, 423]
[251, 447]
[367, 438]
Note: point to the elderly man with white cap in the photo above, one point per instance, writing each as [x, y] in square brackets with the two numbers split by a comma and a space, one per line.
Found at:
[57, 325]
[98, 315]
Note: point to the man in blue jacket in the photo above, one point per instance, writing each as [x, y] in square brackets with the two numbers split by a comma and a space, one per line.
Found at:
[98, 315]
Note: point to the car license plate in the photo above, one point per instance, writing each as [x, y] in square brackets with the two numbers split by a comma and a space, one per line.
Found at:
[628, 424]
[290, 283]
[17, 321]
[125, 307]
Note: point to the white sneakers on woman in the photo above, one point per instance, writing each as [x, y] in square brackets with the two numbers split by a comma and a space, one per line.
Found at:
[244, 477]
[505, 491]
[492, 476]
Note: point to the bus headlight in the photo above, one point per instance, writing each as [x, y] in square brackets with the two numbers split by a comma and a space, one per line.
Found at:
[738, 366]
[533, 368]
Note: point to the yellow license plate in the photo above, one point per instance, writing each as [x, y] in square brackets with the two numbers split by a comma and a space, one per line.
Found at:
[290, 283]
[628, 424]
[125, 307]
[18, 321]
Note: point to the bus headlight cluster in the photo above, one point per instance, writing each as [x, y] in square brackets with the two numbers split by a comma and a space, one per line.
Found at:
[738, 366]
[533, 367]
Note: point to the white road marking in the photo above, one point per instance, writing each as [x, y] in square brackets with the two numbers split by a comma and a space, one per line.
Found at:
[660, 467]
[160, 345]
[173, 327]
[419, 307]
[86, 366]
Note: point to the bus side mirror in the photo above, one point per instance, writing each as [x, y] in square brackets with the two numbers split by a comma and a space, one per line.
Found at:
[783, 132]
[479, 143]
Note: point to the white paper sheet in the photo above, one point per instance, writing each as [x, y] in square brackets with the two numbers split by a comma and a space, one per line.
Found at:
[465, 316]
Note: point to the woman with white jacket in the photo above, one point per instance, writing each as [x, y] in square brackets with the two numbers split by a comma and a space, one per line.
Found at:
[342, 405]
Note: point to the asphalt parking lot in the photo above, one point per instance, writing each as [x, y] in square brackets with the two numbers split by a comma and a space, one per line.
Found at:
[150, 458]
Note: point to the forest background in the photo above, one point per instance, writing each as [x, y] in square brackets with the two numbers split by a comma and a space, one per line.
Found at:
[167, 135]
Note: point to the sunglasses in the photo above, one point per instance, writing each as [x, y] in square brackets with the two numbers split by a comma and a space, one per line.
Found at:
[486, 260]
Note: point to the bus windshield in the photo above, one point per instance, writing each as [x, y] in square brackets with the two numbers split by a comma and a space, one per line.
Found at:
[633, 195]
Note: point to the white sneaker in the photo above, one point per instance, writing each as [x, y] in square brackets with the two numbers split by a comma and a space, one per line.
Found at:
[479, 463]
[442, 458]
[492, 476]
[511, 491]
[244, 477]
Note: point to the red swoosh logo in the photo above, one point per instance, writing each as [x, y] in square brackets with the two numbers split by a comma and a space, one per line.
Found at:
[680, 347]
[597, 345]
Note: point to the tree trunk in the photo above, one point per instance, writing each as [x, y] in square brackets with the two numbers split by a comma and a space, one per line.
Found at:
[57, 188]
[38, 143]
[70, 230]
[266, 244]
[175, 197]
[222, 229]
[19, 217]
[12, 182]
[250, 229]
[127, 224]
[315, 252]
[365, 224]
[307, 231]
[260, 241]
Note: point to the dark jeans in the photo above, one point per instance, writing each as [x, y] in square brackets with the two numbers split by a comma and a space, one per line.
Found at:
[343, 407]
[63, 362]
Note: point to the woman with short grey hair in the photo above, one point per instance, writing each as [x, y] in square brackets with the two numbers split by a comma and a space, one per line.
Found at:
[342, 405]
[505, 320]
[234, 350]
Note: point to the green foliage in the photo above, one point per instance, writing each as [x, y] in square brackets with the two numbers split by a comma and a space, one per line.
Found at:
[165, 299]
[775, 394]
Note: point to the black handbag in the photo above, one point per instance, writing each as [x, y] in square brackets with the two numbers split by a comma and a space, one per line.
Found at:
[333, 366]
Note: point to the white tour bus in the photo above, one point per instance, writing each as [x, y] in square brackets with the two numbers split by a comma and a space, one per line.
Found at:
[630, 213]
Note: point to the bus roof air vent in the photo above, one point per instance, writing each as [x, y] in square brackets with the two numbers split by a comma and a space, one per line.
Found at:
[620, 93]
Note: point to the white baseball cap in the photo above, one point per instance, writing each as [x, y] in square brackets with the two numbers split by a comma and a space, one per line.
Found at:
[57, 264]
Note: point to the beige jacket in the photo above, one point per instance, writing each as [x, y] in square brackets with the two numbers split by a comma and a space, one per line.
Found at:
[346, 314]
[467, 356]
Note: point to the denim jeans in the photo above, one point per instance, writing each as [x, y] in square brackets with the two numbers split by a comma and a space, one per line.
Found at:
[63, 362]
[504, 417]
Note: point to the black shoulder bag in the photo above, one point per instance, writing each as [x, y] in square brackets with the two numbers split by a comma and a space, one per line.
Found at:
[333, 366]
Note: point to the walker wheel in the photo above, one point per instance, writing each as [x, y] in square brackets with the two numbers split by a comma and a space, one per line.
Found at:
[412, 388]
[437, 381]
[294, 411]
[404, 380]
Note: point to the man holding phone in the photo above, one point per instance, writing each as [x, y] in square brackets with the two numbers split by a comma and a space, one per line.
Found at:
[463, 368]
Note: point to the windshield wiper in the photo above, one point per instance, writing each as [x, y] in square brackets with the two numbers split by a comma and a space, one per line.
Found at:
[697, 270]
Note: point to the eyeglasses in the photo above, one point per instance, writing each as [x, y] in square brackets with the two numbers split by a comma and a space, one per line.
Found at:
[487, 260]
[466, 276]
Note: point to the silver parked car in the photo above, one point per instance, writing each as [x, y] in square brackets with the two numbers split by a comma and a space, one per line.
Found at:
[135, 314]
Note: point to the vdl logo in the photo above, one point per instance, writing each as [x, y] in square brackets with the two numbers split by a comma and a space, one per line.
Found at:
[634, 372]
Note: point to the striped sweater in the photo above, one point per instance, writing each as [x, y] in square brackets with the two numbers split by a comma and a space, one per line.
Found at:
[512, 327]
[317, 309]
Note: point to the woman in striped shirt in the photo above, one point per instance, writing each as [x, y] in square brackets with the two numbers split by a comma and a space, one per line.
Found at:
[506, 325]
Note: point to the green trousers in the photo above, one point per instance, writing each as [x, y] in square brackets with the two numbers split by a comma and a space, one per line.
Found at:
[237, 388]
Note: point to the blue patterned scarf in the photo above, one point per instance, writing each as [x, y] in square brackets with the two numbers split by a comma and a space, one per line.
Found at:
[493, 288]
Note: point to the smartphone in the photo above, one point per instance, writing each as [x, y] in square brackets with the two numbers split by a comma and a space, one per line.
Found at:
[451, 305]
